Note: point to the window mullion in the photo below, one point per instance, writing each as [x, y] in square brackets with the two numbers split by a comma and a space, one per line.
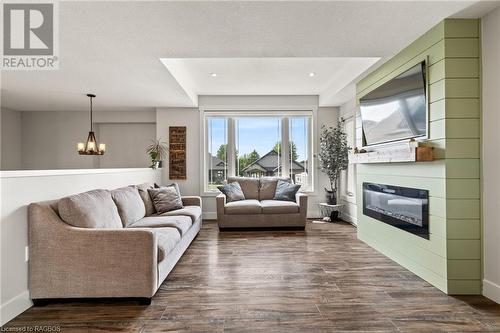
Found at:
[310, 154]
[231, 146]
[285, 150]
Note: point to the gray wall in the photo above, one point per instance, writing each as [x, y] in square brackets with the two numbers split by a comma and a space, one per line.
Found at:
[11, 139]
[126, 144]
[40, 140]
[491, 153]
[50, 138]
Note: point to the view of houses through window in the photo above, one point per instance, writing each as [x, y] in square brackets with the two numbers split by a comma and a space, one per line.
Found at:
[251, 146]
[257, 146]
[216, 151]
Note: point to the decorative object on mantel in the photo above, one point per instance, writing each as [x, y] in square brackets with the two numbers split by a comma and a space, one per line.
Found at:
[157, 151]
[177, 156]
[413, 143]
[333, 157]
[91, 147]
[409, 152]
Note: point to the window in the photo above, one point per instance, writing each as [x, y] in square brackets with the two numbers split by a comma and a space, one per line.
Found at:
[250, 145]
[257, 146]
[216, 156]
[348, 177]
[299, 151]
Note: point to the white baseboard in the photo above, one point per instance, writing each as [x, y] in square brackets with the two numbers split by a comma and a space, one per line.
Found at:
[491, 290]
[311, 214]
[210, 215]
[14, 307]
[349, 218]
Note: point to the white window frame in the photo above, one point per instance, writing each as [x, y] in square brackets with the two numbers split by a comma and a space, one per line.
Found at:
[269, 111]
[348, 176]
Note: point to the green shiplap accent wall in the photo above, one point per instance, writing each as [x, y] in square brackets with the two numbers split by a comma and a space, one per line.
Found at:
[451, 258]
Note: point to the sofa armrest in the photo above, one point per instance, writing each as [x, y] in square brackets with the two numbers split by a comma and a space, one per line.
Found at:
[221, 203]
[191, 201]
[67, 261]
[301, 200]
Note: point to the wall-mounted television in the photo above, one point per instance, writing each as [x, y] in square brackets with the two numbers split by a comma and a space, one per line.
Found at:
[396, 110]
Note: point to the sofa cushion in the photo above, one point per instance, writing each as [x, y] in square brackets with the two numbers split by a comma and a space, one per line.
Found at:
[167, 239]
[249, 186]
[92, 209]
[267, 186]
[181, 223]
[286, 191]
[165, 199]
[194, 212]
[148, 202]
[244, 207]
[129, 203]
[279, 207]
[232, 191]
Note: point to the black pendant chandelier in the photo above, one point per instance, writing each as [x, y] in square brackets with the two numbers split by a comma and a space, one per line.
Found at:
[91, 147]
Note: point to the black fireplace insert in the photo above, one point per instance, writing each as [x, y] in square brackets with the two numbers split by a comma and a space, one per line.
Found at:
[402, 207]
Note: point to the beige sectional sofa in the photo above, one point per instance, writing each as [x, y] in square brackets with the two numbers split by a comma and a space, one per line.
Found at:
[108, 259]
[259, 210]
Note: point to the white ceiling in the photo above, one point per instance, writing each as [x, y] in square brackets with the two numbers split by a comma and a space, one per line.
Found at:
[265, 76]
[113, 48]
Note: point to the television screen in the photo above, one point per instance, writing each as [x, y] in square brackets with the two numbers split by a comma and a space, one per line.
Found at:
[396, 110]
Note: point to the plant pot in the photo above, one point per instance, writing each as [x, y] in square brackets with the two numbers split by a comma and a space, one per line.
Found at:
[331, 197]
[160, 164]
[155, 165]
[334, 216]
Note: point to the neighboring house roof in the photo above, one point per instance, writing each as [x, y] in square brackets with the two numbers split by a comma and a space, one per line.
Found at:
[298, 166]
[216, 163]
[269, 163]
[254, 167]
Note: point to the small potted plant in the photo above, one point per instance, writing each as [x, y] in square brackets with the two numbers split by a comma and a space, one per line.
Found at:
[333, 158]
[157, 152]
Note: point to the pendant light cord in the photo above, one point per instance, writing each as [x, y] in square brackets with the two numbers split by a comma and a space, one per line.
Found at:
[91, 114]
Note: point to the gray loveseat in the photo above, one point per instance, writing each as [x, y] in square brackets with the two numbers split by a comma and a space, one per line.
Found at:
[259, 210]
[106, 257]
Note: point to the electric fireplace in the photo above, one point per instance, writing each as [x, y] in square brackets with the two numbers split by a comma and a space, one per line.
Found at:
[402, 207]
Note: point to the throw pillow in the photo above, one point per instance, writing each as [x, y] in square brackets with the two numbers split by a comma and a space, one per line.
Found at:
[232, 191]
[285, 191]
[175, 185]
[268, 186]
[165, 199]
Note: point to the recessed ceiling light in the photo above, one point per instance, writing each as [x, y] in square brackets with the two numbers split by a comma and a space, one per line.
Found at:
[213, 74]
[311, 74]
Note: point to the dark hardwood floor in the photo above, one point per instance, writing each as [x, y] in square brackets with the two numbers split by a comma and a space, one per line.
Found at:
[318, 280]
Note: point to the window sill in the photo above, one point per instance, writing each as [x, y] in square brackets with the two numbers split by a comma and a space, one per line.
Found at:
[210, 194]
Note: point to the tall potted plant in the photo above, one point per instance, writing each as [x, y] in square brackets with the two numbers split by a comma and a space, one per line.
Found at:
[157, 152]
[333, 157]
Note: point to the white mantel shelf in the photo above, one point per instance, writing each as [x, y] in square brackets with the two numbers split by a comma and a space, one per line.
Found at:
[394, 155]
